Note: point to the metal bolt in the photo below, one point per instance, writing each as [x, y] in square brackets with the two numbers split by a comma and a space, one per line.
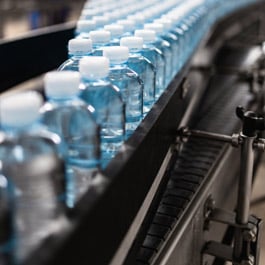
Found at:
[249, 235]
[236, 140]
[260, 145]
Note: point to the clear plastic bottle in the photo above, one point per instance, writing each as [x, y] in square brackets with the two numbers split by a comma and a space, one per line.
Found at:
[172, 39]
[67, 115]
[100, 39]
[129, 83]
[77, 49]
[164, 46]
[106, 99]
[143, 67]
[29, 158]
[155, 56]
[180, 34]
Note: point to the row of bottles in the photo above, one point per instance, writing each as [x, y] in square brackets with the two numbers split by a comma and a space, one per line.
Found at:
[122, 59]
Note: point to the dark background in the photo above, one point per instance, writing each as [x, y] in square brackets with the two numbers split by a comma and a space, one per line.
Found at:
[21, 16]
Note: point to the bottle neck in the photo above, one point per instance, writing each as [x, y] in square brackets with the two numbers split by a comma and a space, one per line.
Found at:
[78, 55]
[135, 54]
[100, 45]
[118, 65]
[63, 98]
[101, 81]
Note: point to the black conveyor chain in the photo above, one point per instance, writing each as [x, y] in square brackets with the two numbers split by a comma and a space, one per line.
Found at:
[194, 162]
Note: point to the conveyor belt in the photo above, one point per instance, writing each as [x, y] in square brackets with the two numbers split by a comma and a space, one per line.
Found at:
[195, 161]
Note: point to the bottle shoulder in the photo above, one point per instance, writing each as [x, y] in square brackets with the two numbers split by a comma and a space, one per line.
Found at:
[71, 64]
[23, 147]
[54, 113]
[99, 91]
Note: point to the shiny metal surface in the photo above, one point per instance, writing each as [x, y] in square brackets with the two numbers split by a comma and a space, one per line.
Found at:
[134, 229]
[244, 190]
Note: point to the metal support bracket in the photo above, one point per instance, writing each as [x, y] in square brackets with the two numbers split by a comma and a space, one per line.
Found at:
[245, 248]
[251, 233]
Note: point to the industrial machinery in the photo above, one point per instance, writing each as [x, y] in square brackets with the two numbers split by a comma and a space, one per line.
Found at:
[179, 190]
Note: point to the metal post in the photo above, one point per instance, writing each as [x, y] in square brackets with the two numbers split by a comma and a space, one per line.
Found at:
[244, 192]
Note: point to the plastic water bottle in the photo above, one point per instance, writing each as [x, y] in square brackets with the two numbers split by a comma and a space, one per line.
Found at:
[155, 56]
[116, 32]
[106, 99]
[77, 49]
[143, 67]
[171, 38]
[28, 155]
[83, 28]
[178, 31]
[100, 39]
[67, 115]
[129, 83]
[164, 46]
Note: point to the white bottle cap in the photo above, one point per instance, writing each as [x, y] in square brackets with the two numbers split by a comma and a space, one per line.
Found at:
[129, 25]
[137, 18]
[85, 26]
[115, 30]
[158, 28]
[21, 109]
[94, 67]
[80, 46]
[61, 84]
[99, 36]
[116, 54]
[167, 23]
[101, 20]
[114, 15]
[132, 42]
[89, 13]
[147, 34]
